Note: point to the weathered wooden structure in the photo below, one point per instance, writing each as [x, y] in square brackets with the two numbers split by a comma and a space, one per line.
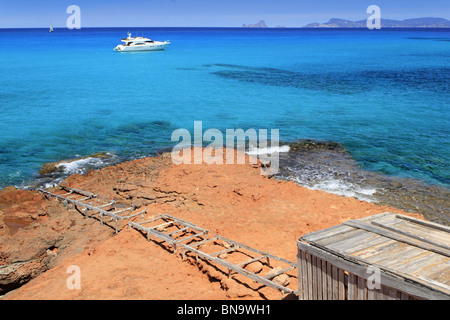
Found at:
[385, 256]
[183, 230]
[90, 202]
[192, 239]
[233, 256]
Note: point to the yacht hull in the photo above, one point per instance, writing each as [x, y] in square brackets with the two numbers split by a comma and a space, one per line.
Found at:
[152, 47]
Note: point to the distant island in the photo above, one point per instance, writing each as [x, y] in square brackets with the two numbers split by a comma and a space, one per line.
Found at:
[260, 24]
[385, 23]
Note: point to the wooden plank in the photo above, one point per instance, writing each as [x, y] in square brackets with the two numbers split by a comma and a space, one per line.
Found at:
[277, 273]
[325, 233]
[341, 286]
[309, 272]
[304, 276]
[160, 235]
[243, 264]
[439, 284]
[188, 238]
[418, 263]
[78, 190]
[123, 210]
[389, 293]
[378, 217]
[372, 242]
[390, 253]
[376, 247]
[329, 281]
[336, 240]
[352, 287]
[324, 279]
[372, 294]
[319, 278]
[335, 279]
[176, 231]
[137, 226]
[184, 223]
[352, 240]
[223, 251]
[430, 224]
[151, 220]
[437, 236]
[398, 237]
[136, 214]
[383, 218]
[361, 289]
[404, 296]
[161, 225]
[441, 270]
[314, 277]
[194, 245]
[81, 199]
[382, 294]
[410, 235]
[299, 274]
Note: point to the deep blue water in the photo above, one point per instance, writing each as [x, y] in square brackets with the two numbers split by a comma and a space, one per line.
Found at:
[383, 94]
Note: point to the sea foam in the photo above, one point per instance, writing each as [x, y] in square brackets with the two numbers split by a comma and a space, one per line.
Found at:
[268, 150]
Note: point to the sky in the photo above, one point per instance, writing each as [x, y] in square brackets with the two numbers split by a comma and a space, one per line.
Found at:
[208, 13]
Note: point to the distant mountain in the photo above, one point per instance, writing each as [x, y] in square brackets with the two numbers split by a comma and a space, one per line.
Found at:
[260, 24]
[385, 23]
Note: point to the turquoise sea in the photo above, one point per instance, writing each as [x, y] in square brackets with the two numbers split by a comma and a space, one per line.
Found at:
[382, 94]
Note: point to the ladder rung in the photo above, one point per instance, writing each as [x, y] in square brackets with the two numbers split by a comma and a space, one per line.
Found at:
[179, 230]
[224, 251]
[250, 261]
[273, 275]
[123, 210]
[161, 225]
[105, 205]
[190, 237]
[202, 242]
[84, 199]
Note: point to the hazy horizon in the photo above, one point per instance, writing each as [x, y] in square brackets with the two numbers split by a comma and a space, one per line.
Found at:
[208, 13]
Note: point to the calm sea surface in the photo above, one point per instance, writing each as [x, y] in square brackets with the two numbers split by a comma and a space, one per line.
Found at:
[383, 95]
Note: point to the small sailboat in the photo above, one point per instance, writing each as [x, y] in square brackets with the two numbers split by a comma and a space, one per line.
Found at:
[51, 28]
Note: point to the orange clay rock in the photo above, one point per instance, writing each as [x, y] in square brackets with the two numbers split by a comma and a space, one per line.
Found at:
[232, 200]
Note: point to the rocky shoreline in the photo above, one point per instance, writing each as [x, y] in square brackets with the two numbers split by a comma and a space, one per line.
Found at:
[330, 167]
[315, 164]
[41, 238]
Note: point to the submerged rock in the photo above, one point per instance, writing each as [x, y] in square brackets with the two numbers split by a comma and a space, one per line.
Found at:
[52, 167]
[307, 145]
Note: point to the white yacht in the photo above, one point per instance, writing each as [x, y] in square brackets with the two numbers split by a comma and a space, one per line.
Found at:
[141, 44]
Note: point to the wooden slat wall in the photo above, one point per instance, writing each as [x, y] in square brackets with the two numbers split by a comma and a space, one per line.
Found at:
[321, 280]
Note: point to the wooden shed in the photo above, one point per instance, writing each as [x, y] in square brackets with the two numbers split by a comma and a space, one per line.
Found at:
[385, 256]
